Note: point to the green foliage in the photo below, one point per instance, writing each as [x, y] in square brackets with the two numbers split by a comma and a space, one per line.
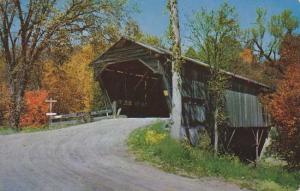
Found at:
[191, 53]
[277, 27]
[174, 156]
[215, 35]
[204, 142]
[97, 103]
[282, 24]
[133, 31]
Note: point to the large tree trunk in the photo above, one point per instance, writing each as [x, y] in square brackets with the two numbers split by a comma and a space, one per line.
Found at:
[15, 112]
[176, 66]
[16, 90]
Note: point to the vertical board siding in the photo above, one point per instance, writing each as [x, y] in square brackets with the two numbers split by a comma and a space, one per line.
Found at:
[242, 103]
[245, 110]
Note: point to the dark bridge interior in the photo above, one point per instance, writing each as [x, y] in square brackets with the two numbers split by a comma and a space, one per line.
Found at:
[136, 89]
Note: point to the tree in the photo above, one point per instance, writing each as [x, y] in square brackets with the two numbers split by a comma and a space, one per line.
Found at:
[133, 31]
[284, 104]
[82, 92]
[278, 27]
[27, 29]
[63, 88]
[176, 67]
[191, 53]
[215, 35]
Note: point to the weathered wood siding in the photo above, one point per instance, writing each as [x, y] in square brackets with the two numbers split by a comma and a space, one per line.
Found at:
[242, 103]
[245, 110]
[126, 51]
[243, 107]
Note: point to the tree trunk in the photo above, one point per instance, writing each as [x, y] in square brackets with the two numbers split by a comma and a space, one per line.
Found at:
[176, 65]
[15, 111]
[16, 90]
[216, 132]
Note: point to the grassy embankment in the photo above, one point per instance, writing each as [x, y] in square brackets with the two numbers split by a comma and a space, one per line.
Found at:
[153, 144]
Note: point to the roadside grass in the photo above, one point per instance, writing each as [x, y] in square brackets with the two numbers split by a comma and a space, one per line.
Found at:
[4, 130]
[153, 144]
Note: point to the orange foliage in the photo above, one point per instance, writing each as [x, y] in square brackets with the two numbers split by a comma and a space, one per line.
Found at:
[284, 104]
[35, 108]
[247, 56]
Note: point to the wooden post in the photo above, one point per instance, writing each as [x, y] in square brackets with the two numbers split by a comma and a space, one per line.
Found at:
[256, 147]
[114, 109]
[50, 114]
[231, 137]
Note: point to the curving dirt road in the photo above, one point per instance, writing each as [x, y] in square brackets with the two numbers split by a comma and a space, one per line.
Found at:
[85, 158]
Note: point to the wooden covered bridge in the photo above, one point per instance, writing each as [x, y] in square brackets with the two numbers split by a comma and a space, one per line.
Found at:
[138, 77]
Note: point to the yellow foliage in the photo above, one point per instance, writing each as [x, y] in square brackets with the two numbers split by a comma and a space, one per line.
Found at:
[71, 83]
[153, 137]
[78, 69]
[247, 56]
[4, 93]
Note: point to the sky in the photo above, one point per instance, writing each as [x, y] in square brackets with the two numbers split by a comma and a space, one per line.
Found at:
[153, 17]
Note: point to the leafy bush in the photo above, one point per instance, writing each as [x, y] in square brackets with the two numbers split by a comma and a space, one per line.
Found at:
[35, 108]
[174, 156]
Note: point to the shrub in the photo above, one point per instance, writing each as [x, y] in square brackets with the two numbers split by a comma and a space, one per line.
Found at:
[35, 109]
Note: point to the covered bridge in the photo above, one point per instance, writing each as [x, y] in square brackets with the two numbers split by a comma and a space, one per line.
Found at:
[138, 77]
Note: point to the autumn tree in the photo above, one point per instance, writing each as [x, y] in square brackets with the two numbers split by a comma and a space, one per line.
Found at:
[60, 87]
[215, 36]
[28, 28]
[284, 104]
[72, 83]
[78, 70]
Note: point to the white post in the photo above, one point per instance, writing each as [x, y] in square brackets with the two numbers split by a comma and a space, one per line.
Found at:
[176, 67]
[50, 114]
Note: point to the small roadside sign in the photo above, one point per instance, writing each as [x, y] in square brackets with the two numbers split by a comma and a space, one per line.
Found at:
[51, 114]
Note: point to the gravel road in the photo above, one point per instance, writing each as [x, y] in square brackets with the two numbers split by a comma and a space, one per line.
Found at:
[86, 158]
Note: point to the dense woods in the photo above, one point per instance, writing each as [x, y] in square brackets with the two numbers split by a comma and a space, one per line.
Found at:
[46, 52]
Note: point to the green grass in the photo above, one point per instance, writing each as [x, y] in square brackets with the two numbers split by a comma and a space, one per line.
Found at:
[173, 156]
[7, 131]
